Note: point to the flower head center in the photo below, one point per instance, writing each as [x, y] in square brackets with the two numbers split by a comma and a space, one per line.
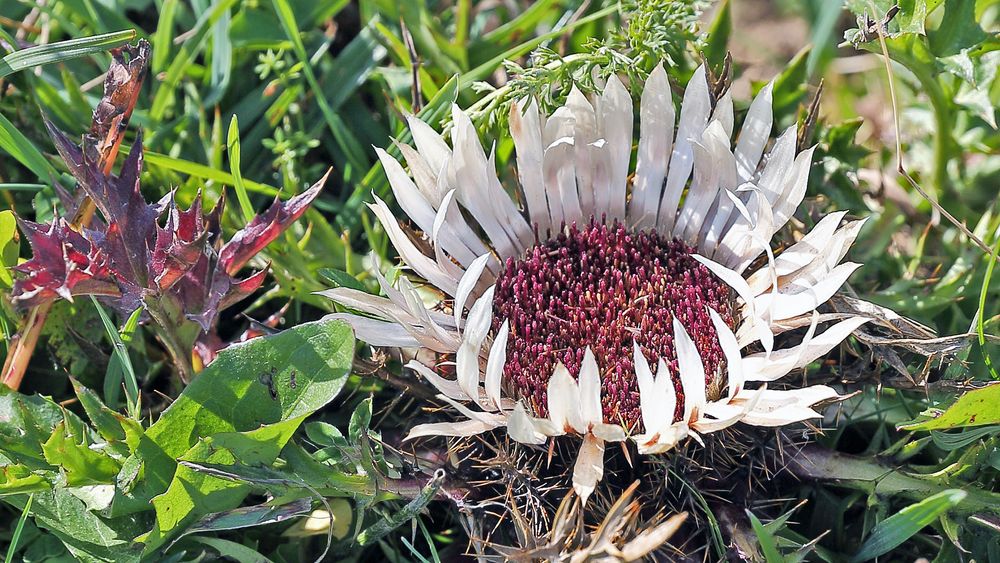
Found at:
[603, 287]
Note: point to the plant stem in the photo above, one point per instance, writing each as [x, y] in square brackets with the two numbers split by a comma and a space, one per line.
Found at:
[816, 463]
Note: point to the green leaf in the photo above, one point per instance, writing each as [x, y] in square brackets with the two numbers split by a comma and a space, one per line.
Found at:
[896, 529]
[768, 543]
[340, 278]
[958, 30]
[717, 42]
[259, 382]
[193, 494]
[250, 516]
[17, 479]
[83, 465]
[25, 424]
[62, 51]
[951, 442]
[301, 473]
[974, 408]
[9, 247]
[233, 146]
[325, 434]
[112, 426]
[24, 151]
[12, 549]
[360, 420]
[233, 550]
[87, 535]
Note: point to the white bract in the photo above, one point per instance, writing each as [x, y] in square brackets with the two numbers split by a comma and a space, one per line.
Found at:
[689, 182]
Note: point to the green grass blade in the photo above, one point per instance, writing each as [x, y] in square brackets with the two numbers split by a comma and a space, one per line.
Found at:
[980, 320]
[896, 529]
[823, 33]
[19, 147]
[21, 187]
[163, 35]
[717, 44]
[121, 354]
[233, 146]
[952, 441]
[341, 133]
[222, 59]
[768, 543]
[62, 51]
[181, 63]
[482, 71]
[18, 530]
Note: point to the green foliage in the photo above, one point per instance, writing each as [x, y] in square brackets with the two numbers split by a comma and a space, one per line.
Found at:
[975, 408]
[9, 247]
[901, 526]
[652, 32]
[244, 407]
[62, 51]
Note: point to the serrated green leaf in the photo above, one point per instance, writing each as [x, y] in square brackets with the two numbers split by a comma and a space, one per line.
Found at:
[101, 417]
[26, 422]
[82, 464]
[896, 529]
[88, 536]
[958, 31]
[17, 479]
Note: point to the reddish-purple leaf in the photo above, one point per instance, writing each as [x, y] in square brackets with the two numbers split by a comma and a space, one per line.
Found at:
[266, 227]
[182, 242]
[63, 263]
[179, 272]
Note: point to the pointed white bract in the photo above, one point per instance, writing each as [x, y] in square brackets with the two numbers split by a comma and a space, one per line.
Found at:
[695, 179]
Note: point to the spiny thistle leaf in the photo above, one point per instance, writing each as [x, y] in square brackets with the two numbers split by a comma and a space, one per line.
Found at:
[266, 227]
[179, 273]
[64, 262]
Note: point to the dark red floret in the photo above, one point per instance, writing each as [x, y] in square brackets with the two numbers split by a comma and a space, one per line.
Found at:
[603, 287]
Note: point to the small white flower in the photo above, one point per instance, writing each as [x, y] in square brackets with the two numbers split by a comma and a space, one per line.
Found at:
[558, 307]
